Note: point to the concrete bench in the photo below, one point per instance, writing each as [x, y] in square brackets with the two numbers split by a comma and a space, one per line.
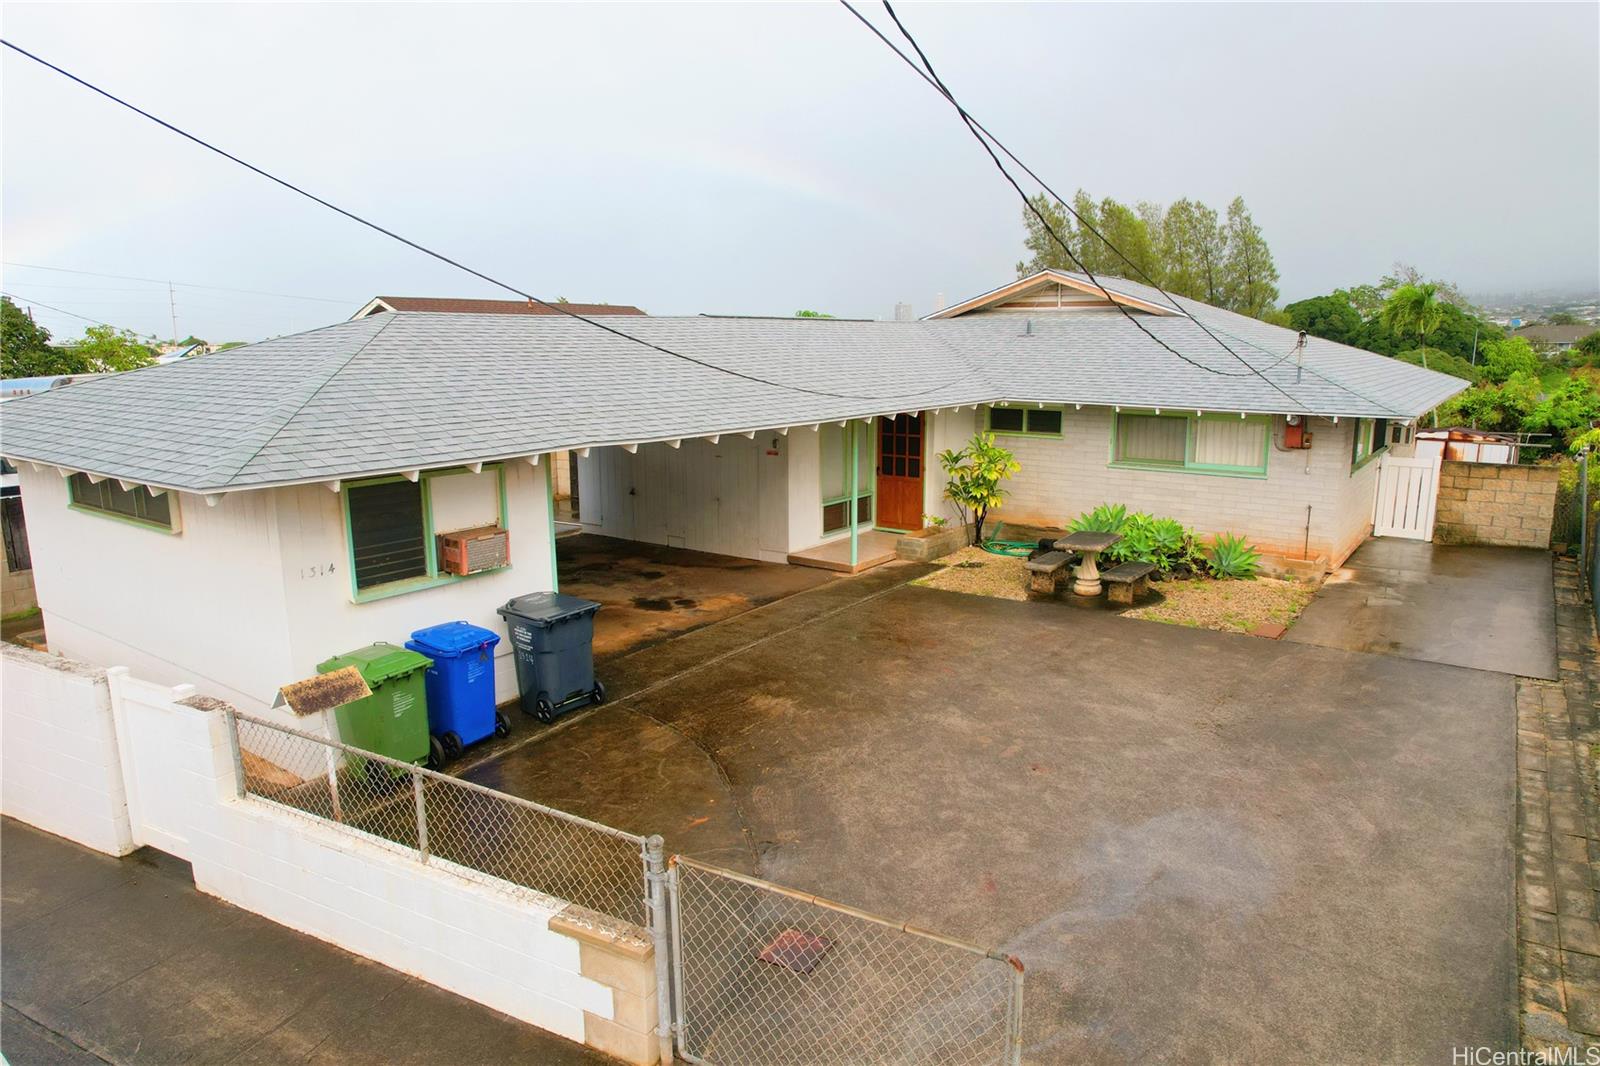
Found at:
[1127, 582]
[1045, 570]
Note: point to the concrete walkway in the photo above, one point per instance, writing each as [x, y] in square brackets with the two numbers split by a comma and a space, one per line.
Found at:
[1485, 608]
[123, 961]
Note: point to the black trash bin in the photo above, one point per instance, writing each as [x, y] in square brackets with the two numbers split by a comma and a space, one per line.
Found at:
[552, 639]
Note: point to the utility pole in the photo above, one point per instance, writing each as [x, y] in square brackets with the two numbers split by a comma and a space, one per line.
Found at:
[172, 305]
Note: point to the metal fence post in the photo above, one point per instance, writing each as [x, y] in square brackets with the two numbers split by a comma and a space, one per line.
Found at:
[655, 875]
[1014, 1015]
[422, 816]
[679, 1018]
[232, 717]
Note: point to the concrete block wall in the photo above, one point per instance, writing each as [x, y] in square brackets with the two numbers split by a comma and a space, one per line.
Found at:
[59, 766]
[1061, 478]
[1494, 503]
[170, 756]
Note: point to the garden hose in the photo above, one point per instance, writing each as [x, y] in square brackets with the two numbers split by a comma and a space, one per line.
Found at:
[1019, 548]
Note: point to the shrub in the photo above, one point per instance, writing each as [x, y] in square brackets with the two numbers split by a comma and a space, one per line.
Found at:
[973, 478]
[1232, 557]
[1165, 542]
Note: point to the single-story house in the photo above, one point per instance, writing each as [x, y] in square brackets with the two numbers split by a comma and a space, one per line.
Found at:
[459, 306]
[1543, 335]
[236, 519]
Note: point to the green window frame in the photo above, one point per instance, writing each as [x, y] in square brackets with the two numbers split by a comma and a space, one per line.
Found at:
[1370, 440]
[137, 506]
[431, 577]
[1030, 421]
[1189, 464]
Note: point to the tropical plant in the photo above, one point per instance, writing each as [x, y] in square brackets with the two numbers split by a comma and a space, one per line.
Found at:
[936, 521]
[1107, 518]
[1231, 556]
[1413, 310]
[973, 479]
[1164, 542]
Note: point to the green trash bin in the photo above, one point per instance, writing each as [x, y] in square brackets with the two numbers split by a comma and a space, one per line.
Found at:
[393, 721]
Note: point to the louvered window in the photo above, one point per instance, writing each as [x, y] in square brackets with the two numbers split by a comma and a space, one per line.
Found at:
[388, 537]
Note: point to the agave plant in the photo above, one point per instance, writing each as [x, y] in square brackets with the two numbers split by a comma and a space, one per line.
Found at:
[1232, 557]
[1107, 518]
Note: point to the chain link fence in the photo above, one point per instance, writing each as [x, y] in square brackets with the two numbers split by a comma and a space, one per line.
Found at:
[490, 836]
[764, 975]
[1566, 524]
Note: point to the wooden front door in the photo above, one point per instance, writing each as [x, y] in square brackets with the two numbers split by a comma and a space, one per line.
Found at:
[900, 472]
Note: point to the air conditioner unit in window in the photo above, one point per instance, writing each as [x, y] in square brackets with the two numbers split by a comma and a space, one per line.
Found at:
[468, 551]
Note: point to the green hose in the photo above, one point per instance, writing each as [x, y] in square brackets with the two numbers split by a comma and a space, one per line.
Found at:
[1020, 548]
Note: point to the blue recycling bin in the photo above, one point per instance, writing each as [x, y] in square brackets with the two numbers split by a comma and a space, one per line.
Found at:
[460, 683]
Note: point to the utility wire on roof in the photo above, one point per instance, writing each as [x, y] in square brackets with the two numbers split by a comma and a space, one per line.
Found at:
[63, 311]
[984, 137]
[446, 259]
[179, 284]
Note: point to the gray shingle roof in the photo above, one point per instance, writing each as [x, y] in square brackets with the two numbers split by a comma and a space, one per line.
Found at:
[399, 391]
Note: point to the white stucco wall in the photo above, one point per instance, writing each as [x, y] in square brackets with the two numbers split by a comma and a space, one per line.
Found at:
[730, 498]
[254, 592]
[1061, 478]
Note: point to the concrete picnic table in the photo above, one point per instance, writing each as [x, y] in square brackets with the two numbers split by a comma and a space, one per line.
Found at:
[1087, 575]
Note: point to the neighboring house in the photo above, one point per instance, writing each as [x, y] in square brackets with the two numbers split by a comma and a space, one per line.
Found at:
[237, 519]
[1557, 338]
[452, 306]
[171, 353]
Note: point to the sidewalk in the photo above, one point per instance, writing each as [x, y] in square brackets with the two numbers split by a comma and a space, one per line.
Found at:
[122, 960]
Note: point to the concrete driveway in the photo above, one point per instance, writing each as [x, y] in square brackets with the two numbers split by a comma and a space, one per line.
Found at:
[1487, 608]
[1205, 847]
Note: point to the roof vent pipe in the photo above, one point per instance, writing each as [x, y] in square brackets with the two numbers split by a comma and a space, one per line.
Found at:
[1027, 328]
[1299, 355]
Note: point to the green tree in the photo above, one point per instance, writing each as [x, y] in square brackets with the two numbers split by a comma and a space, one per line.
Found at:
[25, 348]
[1413, 310]
[1565, 412]
[812, 314]
[1329, 317]
[974, 475]
[1562, 318]
[1588, 348]
[1193, 248]
[1250, 277]
[1505, 356]
[107, 349]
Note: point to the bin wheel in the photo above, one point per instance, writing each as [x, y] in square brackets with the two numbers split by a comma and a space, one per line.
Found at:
[502, 725]
[598, 693]
[436, 756]
[452, 745]
[545, 710]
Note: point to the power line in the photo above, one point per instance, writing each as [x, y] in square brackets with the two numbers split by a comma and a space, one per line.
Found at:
[63, 311]
[984, 137]
[556, 307]
[180, 284]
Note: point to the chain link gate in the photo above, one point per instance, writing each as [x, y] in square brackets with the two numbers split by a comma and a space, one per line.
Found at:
[766, 975]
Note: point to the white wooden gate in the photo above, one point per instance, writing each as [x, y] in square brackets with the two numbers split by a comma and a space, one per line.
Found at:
[1408, 488]
[149, 738]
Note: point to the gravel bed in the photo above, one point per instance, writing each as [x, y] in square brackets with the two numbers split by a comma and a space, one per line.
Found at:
[1229, 606]
[980, 573]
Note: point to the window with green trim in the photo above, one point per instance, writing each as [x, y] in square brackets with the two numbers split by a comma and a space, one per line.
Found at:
[1025, 421]
[1202, 444]
[392, 524]
[1371, 438]
[107, 496]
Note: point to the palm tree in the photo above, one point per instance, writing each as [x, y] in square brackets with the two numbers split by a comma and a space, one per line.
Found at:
[1414, 308]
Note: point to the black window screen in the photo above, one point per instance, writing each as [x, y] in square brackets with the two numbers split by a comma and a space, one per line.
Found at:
[1044, 421]
[386, 533]
[1006, 419]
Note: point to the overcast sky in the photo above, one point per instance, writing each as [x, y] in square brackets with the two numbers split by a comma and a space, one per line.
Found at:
[762, 159]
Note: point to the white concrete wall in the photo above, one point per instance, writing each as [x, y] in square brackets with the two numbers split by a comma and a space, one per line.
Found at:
[729, 498]
[59, 767]
[1061, 478]
[492, 944]
[945, 431]
[204, 604]
[254, 592]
